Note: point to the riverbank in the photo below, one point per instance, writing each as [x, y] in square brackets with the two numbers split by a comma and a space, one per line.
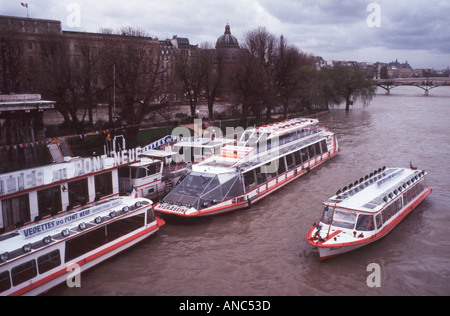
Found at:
[86, 144]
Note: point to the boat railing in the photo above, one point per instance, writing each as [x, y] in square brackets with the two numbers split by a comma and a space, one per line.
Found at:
[235, 152]
[277, 150]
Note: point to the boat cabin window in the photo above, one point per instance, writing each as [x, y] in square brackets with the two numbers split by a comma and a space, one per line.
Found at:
[200, 190]
[304, 154]
[344, 219]
[138, 172]
[391, 210]
[290, 161]
[15, 211]
[153, 169]
[103, 184]
[413, 192]
[23, 272]
[365, 223]
[249, 180]
[91, 240]
[49, 201]
[194, 184]
[261, 177]
[327, 214]
[281, 166]
[124, 172]
[78, 192]
[323, 145]
[5, 282]
[268, 171]
[378, 220]
[317, 149]
[311, 151]
[49, 261]
[298, 158]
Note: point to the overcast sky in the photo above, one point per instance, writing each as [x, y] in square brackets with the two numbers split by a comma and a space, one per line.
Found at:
[417, 31]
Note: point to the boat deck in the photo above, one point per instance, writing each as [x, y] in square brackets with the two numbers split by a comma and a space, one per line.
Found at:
[369, 195]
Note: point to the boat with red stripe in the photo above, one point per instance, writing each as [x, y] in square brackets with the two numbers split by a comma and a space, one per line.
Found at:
[262, 161]
[42, 255]
[367, 210]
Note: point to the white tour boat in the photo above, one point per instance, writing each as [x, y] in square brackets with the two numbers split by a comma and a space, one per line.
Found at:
[39, 256]
[35, 194]
[263, 160]
[158, 169]
[367, 210]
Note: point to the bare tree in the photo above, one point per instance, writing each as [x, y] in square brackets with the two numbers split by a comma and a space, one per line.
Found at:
[263, 47]
[248, 86]
[89, 64]
[187, 78]
[289, 68]
[13, 63]
[131, 67]
[211, 63]
[58, 80]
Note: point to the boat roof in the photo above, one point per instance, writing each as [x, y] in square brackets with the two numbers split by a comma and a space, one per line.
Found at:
[155, 153]
[245, 156]
[286, 126]
[204, 142]
[11, 243]
[371, 193]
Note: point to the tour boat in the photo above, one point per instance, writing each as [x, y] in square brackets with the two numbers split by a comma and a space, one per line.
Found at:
[367, 210]
[262, 161]
[35, 194]
[39, 256]
[158, 170]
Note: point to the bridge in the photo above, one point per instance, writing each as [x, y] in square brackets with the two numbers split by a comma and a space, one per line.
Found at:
[423, 83]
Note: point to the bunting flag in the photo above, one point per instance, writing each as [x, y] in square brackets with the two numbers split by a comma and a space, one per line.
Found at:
[108, 133]
[25, 145]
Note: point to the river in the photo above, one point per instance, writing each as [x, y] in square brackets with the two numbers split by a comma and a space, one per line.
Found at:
[263, 250]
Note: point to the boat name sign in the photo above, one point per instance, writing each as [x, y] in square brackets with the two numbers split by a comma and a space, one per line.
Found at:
[64, 220]
[27, 179]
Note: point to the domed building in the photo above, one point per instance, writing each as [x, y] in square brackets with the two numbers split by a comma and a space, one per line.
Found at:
[227, 41]
[226, 59]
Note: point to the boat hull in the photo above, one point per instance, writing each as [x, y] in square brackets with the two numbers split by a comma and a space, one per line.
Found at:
[333, 249]
[250, 197]
[89, 260]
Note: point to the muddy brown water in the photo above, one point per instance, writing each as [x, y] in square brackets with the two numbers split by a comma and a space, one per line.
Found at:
[263, 250]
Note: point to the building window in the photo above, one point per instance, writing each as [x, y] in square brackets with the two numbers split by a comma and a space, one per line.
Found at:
[16, 211]
[103, 184]
[78, 192]
[49, 201]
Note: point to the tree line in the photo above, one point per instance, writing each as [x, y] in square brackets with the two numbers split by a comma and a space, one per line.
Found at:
[127, 70]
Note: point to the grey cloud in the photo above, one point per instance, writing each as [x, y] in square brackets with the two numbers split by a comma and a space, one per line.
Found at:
[316, 12]
[317, 26]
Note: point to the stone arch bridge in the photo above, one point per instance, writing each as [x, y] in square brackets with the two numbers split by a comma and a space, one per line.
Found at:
[423, 83]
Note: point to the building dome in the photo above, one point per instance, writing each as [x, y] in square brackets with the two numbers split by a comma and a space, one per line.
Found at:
[227, 40]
